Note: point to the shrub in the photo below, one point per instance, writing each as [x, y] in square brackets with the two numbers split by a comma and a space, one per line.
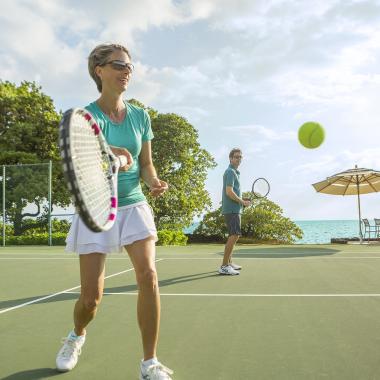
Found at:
[58, 238]
[165, 237]
[263, 221]
[168, 237]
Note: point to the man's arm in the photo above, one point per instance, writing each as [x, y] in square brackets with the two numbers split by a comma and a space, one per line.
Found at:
[232, 195]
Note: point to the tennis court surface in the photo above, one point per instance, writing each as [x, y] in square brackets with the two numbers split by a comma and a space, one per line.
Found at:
[295, 312]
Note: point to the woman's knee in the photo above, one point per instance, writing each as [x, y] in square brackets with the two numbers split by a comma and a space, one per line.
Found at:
[91, 303]
[147, 278]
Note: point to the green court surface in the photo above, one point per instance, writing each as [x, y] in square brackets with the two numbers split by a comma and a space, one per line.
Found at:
[295, 312]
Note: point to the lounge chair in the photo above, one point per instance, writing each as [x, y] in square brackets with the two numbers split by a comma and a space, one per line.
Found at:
[368, 229]
[377, 225]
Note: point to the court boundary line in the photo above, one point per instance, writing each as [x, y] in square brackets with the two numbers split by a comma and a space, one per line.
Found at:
[206, 258]
[311, 295]
[66, 291]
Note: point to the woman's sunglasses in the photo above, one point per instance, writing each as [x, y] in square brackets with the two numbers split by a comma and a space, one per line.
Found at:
[120, 65]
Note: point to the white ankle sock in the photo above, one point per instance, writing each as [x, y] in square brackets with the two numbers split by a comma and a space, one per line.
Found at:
[149, 362]
[73, 335]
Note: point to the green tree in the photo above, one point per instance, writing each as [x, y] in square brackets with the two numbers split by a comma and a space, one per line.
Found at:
[29, 134]
[212, 224]
[263, 221]
[183, 163]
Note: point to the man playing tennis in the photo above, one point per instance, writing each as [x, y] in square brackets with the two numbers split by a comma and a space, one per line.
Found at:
[127, 128]
[232, 205]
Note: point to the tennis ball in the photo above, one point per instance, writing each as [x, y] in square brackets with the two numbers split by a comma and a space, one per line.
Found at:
[311, 134]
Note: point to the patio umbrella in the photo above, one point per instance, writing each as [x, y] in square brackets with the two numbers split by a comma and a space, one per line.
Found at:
[351, 182]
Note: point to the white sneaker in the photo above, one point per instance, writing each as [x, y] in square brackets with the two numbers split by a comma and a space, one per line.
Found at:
[155, 372]
[67, 357]
[235, 266]
[228, 270]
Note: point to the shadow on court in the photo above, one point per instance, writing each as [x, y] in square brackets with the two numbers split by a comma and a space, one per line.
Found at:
[118, 289]
[33, 374]
[166, 282]
[60, 297]
[282, 252]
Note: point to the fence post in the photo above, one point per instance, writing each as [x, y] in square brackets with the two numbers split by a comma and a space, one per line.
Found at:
[3, 205]
[49, 201]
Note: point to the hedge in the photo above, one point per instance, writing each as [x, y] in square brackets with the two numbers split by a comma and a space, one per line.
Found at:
[165, 237]
[58, 238]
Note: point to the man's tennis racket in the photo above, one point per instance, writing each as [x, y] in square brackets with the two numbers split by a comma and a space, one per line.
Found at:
[90, 169]
[260, 188]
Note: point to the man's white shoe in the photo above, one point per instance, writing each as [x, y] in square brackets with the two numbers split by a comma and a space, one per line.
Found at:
[155, 372]
[67, 357]
[235, 266]
[228, 270]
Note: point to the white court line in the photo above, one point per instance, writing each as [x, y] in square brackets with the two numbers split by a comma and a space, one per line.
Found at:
[62, 292]
[49, 257]
[246, 295]
[207, 258]
[274, 258]
[62, 258]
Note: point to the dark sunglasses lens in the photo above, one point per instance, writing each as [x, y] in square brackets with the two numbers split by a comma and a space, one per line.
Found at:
[118, 66]
[121, 66]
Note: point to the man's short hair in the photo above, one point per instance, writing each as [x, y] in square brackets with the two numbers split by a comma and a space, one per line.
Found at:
[233, 151]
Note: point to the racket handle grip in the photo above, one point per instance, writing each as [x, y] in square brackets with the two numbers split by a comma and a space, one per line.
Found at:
[123, 160]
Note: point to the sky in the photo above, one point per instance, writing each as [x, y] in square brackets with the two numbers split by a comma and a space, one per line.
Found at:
[244, 73]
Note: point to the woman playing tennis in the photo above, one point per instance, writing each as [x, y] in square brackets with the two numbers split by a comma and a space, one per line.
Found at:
[127, 129]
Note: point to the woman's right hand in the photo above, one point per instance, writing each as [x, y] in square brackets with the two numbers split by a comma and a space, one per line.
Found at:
[123, 152]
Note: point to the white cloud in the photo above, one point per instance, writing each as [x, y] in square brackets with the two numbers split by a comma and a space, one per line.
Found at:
[263, 63]
[253, 131]
[267, 67]
[331, 164]
[298, 56]
[221, 153]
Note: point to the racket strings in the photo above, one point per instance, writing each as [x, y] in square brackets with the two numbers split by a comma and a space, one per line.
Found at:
[92, 167]
[260, 188]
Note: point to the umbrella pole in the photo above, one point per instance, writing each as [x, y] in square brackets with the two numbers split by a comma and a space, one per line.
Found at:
[360, 214]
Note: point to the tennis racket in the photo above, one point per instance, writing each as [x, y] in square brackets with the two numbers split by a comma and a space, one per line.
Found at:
[260, 188]
[90, 169]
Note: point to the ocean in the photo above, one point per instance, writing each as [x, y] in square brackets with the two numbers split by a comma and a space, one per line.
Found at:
[318, 231]
[321, 231]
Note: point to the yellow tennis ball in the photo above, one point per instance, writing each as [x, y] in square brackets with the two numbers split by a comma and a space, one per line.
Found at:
[311, 134]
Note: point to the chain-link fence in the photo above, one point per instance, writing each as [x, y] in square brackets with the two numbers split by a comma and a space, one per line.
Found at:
[26, 197]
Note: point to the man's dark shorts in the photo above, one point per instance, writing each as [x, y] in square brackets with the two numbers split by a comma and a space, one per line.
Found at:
[233, 223]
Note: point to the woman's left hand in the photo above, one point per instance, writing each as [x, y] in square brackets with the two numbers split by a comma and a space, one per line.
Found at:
[158, 187]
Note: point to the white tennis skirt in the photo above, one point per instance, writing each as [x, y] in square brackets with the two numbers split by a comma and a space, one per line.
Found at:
[133, 222]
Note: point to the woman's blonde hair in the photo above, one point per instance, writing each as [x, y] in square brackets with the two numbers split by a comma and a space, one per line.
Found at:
[99, 57]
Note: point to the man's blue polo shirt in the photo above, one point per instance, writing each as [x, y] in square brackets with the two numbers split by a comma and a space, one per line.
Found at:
[231, 178]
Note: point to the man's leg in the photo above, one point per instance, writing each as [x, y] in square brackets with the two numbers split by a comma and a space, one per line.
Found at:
[232, 239]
